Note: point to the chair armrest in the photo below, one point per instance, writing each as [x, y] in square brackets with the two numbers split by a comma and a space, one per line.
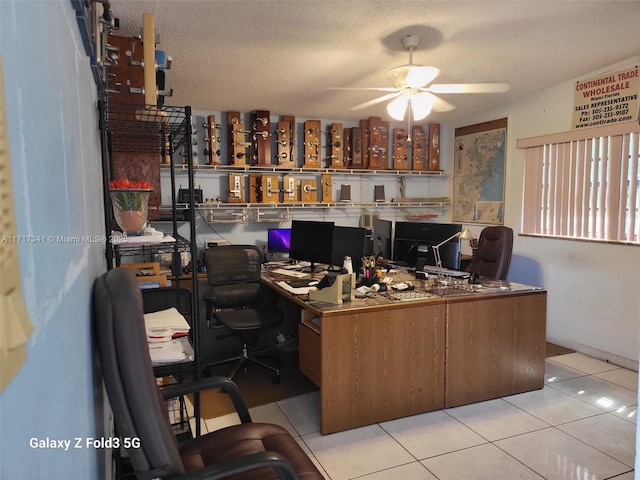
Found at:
[224, 383]
[243, 464]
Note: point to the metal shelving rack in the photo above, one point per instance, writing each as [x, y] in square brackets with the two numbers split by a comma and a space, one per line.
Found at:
[162, 130]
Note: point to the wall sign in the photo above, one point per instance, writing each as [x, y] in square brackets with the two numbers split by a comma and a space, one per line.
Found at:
[609, 98]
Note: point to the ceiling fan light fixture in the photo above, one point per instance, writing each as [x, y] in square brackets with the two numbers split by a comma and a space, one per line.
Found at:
[398, 107]
[421, 105]
[413, 76]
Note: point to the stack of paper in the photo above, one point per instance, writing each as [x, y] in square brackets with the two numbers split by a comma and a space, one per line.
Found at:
[170, 318]
[166, 352]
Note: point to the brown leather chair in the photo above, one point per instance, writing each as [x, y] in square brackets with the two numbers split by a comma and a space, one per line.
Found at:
[492, 257]
[248, 451]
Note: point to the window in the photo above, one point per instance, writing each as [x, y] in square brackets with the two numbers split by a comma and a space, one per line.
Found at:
[583, 184]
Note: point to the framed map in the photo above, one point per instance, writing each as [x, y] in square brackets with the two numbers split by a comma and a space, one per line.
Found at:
[478, 173]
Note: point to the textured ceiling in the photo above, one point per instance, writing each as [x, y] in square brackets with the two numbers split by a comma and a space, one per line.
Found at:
[284, 56]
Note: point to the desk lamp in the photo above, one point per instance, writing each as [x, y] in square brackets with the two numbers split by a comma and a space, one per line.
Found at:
[464, 234]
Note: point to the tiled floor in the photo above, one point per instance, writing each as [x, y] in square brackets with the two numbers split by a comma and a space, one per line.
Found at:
[580, 426]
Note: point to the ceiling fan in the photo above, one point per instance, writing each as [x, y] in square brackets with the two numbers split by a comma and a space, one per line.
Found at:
[412, 90]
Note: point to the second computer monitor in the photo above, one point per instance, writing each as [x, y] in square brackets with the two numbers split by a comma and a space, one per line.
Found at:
[311, 241]
[416, 240]
[348, 242]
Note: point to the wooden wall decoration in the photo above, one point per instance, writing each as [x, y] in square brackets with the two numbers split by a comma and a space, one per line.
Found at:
[417, 148]
[283, 144]
[255, 188]
[290, 189]
[292, 139]
[238, 144]
[364, 142]
[378, 143]
[236, 188]
[356, 148]
[261, 137]
[211, 150]
[309, 191]
[312, 144]
[434, 147]
[335, 146]
[348, 147]
[270, 189]
[400, 157]
[327, 190]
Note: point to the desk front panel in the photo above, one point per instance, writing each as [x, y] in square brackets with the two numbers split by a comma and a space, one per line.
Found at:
[378, 365]
[495, 347]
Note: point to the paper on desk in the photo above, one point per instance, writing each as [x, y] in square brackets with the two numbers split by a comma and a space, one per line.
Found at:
[294, 290]
[169, 318]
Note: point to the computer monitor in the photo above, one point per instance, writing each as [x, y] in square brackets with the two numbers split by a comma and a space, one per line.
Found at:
[416, 240]
[348, 242]
[311, 241]
[278, 240]
[382, 238]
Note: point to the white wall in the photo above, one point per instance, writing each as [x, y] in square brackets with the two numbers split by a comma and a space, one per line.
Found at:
[593, 294]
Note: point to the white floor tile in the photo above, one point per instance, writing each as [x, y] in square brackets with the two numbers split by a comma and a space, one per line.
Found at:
[556, 372]
[496, 419]
[311, 456]
[411, 471]
[607, 433]
[597, 392]
[485, 462]
[271, 413]
[622, 377]
[558, 456]
[583, 363]
[217, 423]
[552, 406]
[625, 476]
[303, 412]
[356, 452]
[430, 434]
[630, 414]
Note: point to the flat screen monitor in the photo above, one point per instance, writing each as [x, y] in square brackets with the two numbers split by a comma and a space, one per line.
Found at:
[348, 242]
[278, 240]
[382, 238]
[311, 241]
[416, 240]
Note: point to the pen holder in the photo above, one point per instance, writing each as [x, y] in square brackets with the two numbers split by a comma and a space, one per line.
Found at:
[368, 281]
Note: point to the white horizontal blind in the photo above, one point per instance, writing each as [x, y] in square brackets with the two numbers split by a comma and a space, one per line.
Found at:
[583, 184]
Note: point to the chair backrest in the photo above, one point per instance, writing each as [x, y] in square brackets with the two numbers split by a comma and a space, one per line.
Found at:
[492, 257]
[234, 273]
[135, 400]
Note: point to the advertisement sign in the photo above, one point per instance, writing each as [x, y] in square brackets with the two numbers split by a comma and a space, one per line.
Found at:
[609, 98]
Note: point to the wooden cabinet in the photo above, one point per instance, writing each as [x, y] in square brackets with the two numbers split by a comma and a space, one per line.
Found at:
[495, 347]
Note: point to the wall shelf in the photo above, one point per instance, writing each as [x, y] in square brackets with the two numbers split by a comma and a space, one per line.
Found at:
[278, 169]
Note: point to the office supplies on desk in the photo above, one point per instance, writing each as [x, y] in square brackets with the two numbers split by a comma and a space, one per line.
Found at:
[342, 289]
[445, 271]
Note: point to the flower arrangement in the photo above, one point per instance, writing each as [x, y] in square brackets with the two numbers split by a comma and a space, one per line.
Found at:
[129, 194]
[130, 201]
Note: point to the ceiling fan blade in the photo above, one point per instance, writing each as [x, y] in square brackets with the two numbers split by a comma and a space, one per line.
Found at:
[498, 87]
[376, 100]
[440, 105]
[380, 89]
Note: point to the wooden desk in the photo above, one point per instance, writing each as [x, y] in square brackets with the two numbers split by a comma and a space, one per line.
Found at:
[376, 359]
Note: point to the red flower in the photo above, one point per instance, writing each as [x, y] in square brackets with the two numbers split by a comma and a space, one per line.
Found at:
[125, 183]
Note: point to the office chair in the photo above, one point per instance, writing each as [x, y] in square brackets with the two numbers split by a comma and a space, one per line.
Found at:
[492, 257]
[235, 300]
[246, 451]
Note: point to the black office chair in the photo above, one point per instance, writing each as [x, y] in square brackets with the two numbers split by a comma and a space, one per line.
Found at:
[236, 300]
[492, 257]
[247, 451]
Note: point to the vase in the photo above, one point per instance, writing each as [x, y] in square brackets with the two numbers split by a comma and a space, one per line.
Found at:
[130, 209]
